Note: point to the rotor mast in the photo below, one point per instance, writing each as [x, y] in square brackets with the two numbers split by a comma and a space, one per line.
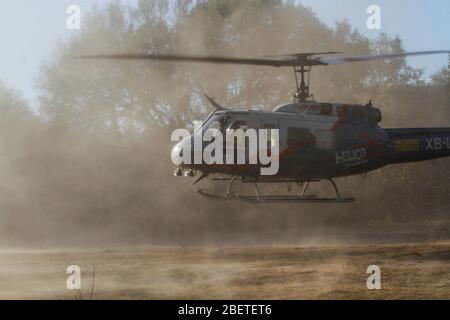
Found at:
[302, 87]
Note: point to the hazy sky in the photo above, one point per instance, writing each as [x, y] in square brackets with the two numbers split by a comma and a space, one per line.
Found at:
[29, 30]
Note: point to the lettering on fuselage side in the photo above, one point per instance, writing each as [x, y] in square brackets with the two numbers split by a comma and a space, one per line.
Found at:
[352, 157]
[407, 145]
[428, 144]
[437, 143]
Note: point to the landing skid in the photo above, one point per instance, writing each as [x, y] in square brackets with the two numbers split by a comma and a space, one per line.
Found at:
[258, 198]
[274, 198]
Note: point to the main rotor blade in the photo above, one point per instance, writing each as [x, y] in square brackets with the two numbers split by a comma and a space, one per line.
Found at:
[293, 60]
[288, 60]
[274, 62]
[340, 60]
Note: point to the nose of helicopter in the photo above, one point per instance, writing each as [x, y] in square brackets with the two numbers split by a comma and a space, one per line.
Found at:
[177, 153]
[182, 155]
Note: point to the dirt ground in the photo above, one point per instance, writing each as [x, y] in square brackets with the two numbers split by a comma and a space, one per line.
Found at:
[408, 271]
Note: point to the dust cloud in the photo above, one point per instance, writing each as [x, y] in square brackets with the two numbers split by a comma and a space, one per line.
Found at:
[93, 169]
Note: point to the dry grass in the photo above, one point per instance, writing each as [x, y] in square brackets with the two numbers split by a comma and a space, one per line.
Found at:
[325, 272]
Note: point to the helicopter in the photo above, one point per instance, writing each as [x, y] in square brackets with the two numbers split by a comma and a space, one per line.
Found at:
[317, 140]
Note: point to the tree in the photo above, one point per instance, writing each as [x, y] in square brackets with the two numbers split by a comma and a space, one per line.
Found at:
[442, 78]
[16, 121]
[119, 96]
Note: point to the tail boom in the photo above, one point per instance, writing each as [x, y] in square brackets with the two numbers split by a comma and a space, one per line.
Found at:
[418, 144]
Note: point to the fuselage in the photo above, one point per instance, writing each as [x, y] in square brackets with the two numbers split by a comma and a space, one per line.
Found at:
[324, 140]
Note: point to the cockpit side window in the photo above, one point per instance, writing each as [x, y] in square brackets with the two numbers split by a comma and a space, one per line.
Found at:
[217, 121]
[215, 125]
[239, 124]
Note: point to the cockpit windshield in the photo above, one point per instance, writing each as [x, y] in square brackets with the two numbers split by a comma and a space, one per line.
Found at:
[215, 122]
